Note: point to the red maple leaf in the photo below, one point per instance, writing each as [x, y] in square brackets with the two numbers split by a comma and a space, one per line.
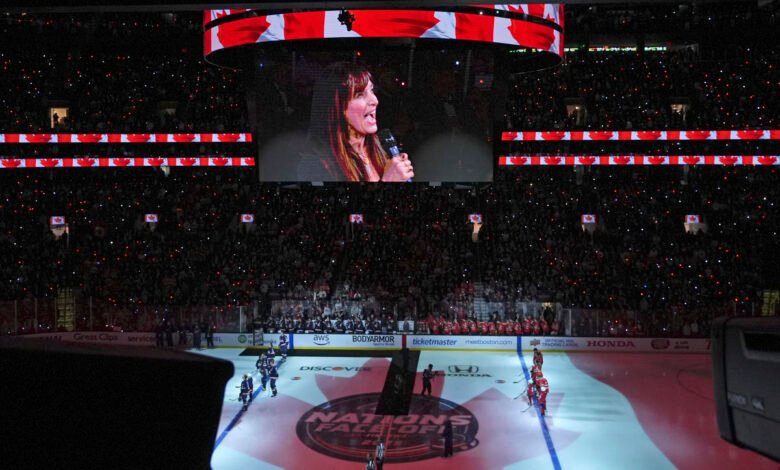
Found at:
[220, 161]
[155, 161]
[766, 160]
[587, 160]
[552, 160]
[697, 135]
[50, 162]
[249, 161]
[243, 31]
[393, 23]
[228, 137]
[11, 163]
[509, 136]
[89, 138]
[750, 135]
[691, 160]
[183, 137]
[648, 135]
[85, 161]
[495, 444]
[530, 34]
[557, 135]
[188, 161]
[728, 160]
[600, 135]
[38, 138]
[121, 161]
[138, 138]
[518, 160]
[656, 160]
[622, 160]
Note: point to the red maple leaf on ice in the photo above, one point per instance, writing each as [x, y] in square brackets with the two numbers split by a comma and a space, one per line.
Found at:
[502, 424]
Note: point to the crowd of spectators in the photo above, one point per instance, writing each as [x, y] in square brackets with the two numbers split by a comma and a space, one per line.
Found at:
[414, 259]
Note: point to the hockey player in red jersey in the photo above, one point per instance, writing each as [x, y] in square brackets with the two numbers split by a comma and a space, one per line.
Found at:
[538, 358]
[536, 372]
[531, 389]
[544, 388]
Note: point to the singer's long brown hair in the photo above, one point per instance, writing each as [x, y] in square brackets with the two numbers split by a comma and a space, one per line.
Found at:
[339, 83]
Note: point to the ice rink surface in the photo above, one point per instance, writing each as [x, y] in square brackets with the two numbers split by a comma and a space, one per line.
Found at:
[604, 411]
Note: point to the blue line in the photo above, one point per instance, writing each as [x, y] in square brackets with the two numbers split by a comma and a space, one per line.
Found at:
[547, 438]
[235, 419]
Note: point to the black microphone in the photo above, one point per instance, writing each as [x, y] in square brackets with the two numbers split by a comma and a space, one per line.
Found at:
[390, 145]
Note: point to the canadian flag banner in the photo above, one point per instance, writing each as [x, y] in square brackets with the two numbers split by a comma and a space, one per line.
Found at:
[247, 218]
[625, 160]
[11, 163]
[692, 219]
[151, 218]
[211, 137]
[475, 218]
[356, 218]
[496, 23]
[56, 220]
[588, 218]
[728, 134]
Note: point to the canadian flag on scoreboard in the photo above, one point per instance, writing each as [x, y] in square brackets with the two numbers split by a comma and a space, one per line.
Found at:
[151, 218]
[692, 219]
[588, 218]
[56, 220]
[356, 218]
[247, 218]
[475, 218]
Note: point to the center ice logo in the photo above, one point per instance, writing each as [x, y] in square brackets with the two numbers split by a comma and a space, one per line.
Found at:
[348, 429]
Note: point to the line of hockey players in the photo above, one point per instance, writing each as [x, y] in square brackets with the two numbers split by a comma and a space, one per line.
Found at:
[538, 387]
[268, 369]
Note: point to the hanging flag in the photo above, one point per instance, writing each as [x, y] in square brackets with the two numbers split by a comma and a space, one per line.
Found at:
[356, 218]
[692, 219]
[150, 218]
[247, 218]
[56, 220]
[588, 218]
[475, 218]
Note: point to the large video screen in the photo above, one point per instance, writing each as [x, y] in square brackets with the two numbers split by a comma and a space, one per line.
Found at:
[378, 95]
[389, 114]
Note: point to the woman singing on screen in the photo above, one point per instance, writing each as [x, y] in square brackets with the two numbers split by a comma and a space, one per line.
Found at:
[343, 131]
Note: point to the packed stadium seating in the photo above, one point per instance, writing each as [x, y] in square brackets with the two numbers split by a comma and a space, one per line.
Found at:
[413, 258]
